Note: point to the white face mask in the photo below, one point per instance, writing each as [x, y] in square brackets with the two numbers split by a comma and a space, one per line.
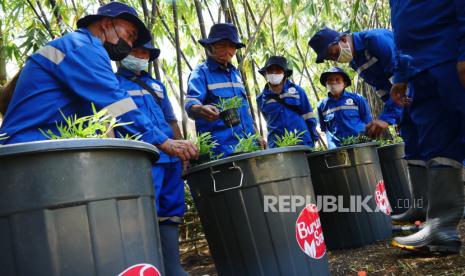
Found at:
[134, 64]
[274, 79]
[346, 53]
[335, 89]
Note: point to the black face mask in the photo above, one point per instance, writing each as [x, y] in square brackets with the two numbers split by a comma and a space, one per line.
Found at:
[117, 51]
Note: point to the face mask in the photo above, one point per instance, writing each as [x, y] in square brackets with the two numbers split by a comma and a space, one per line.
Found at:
[274, 79]
[117, 51]
[346, 54]
[335, 89]
[134, 64]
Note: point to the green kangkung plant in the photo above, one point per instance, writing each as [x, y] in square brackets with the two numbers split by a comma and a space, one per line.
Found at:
[206, 144]
[352, 140]
[289, 138]
[248, 143]
[229, 103]
[98, 125]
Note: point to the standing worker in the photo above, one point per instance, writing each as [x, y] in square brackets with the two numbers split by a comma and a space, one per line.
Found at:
[151, 98]
[372, 54]
[430, 38]
[214, 80]
[285, 104]
[342, 114]
[71, 72]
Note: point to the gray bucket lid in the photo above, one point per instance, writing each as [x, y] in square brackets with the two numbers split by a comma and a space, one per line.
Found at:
[76, 145]
[363, 145]
[243, 156]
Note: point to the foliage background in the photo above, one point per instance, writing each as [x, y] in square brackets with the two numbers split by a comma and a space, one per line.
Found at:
[268, 27]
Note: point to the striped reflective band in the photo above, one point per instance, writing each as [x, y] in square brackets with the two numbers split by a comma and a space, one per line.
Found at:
[121, 107]
[225, 85]
[174, 219]
[344, 107]
[367, 65]
[295, 96]
[309, 115]
[51, 53]
[144, 92]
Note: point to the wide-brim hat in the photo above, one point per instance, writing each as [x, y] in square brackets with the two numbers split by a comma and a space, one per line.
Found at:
[154, 52]
[278, 61]
[222, 31]
[119, 10]
[335, 70]
[321, 41]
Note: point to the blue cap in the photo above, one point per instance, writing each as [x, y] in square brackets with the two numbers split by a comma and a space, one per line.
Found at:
[322, 40]
[119, 10]
[222, 31]
[154, 52]
[278, 61]
[334, 70]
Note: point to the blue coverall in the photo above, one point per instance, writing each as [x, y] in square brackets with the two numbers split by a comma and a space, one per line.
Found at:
[209, 82]
[279, 117]
[343, 117]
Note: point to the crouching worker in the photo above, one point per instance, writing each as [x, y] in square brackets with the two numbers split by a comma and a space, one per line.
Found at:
[342, 113]
[151, 99]
[285, 104]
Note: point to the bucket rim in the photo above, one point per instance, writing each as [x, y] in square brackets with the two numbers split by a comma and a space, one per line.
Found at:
[76, 145]
[369, 144]
[249, 155]
[391, 146]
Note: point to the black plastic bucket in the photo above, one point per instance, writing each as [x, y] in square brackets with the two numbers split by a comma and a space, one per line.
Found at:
[77, 207]
[351, 175]
[395, 175]
[230, 117]
[246, 237]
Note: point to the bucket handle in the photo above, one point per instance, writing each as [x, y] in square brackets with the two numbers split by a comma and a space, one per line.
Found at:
[233, 167]
[346, 161]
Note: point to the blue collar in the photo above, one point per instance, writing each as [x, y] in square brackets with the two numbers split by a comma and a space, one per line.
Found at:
[214, 65]
[128, 73]
[343, 94]
[358, 43]
[95, 40]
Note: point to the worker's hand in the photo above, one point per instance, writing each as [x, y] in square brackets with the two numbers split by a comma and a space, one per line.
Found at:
[399, 94]
[376, 128]
[461, 71]
[262, 142]
[208, 112]
[185, 166]
[183, 149]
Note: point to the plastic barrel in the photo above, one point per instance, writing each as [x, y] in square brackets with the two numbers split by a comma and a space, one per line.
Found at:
[77, 207]
[395, 174]
[244, 235]
[350, 175]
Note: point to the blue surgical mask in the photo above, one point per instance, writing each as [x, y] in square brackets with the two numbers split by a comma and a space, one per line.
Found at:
[135, 64]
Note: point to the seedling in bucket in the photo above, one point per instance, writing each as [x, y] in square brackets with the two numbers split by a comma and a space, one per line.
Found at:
[99, 125]
[228, 110]
[248, 143]
[290, 138]
[353, 140]
[205, 144]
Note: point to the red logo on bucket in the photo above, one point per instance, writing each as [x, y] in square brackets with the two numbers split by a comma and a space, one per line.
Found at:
[309, 233]
[381, 198]
[141, 270]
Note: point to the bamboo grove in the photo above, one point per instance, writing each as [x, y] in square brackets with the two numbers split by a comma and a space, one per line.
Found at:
[267, 27]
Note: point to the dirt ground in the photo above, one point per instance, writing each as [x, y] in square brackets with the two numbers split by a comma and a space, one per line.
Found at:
[375, 259]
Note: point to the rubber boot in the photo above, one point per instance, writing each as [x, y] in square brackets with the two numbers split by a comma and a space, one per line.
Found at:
[170, 249]
[446, 199]
[419, 204]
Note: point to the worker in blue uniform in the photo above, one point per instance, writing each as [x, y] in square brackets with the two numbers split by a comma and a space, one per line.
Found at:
[429, 37]
[342, 114]
[152, 99]
[217, 79]
[71, 72]
[285, 104]
[372, 54]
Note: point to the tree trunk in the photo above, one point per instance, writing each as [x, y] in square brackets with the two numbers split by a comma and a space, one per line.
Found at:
[2, 56]
[179, 63]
